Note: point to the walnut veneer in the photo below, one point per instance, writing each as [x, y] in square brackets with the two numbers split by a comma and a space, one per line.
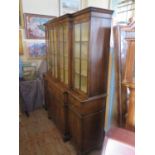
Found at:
[76, 82]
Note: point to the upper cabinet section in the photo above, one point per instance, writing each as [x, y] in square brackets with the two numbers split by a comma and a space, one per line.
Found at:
[90, 52]
[78, 50]
[58, 33]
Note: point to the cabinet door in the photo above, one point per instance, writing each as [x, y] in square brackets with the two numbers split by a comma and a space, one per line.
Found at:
[80, 55]
[55, 54]
[63, 42]
[49, 58]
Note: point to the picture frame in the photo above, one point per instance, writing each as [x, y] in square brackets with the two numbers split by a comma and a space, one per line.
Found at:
[21, 16]
[34, 27]
[21, 48]
[69, 6]
[36, 49]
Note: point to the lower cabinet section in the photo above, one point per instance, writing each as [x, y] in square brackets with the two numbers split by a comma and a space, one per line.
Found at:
[79, 119]
[86, 126]
[57, 108]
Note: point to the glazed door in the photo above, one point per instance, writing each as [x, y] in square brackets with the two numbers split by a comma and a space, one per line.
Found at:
[80, 56]
[53, 52]
[63, 42]
[49, 51]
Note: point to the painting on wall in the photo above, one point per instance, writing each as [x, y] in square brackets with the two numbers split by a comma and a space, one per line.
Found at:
[34, 27]
[36, 49]
[69, 6]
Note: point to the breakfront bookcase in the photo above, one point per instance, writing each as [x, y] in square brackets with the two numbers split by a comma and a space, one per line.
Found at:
[78, 53]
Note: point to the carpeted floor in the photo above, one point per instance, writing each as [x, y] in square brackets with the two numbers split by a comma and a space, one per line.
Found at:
[39, 136]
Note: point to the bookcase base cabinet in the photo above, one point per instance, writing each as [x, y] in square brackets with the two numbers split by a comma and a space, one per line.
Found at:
[86, 122]
[57, 108]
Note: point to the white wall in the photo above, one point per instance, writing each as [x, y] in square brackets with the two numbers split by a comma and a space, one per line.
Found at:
[98, 3]
[44, 7]
[51, 7]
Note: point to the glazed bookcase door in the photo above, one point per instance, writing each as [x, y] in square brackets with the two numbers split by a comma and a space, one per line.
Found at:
[53, 52]
[50, 51]
[63, 42]
[80, 56]
[49, 54]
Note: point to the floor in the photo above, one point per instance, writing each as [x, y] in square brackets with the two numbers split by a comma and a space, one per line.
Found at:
[39, 136]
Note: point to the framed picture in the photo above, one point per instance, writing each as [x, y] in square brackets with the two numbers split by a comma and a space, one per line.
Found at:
[21, 49]
[36, 49]
[34, 27]
[69, 6]
[21, 17]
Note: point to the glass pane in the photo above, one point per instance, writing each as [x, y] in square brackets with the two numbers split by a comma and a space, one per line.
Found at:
[65, 49]
[77, 81]
[55, 36]
[61, 62]
[52, 35]
[84, 83]
[61, 74]
[84, 31]
[55, 47]
[77, 32]
[56, 69]
[84, 50]
[61, 49]
[66, 76]
[66, 62]
[84, 67]
[49, 62]
[77, 50]
[51, 40]
[61, 34]
[52, 64]
[77, 65]
[65, 33]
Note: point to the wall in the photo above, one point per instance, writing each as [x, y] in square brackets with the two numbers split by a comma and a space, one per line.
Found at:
[44, 7]
[98, 3]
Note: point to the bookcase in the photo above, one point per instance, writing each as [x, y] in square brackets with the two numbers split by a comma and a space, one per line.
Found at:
[81, 52]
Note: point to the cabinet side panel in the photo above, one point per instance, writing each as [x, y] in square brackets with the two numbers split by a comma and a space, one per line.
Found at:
[93, 130]
[99, 54]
